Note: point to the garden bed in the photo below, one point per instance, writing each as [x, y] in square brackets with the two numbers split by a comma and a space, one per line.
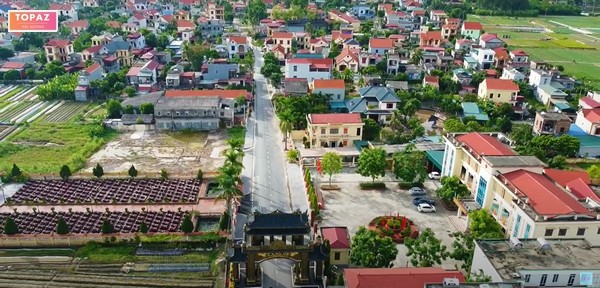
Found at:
[329, 187]
[395, 227]
[372, 186]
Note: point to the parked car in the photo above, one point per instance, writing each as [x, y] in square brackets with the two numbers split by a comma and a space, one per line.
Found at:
[416, 191]
[419, 200]
[435, 176]
[426, 208]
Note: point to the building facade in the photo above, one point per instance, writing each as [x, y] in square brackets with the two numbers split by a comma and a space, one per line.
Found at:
[333, 130]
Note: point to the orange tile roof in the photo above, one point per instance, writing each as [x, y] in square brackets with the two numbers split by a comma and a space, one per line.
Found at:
[238, 39]
[337, 236]
[501, 53]
[285, 35]
[592, 115]
[432, 79]
[501, 84]
[58, 42]
[79, 23]
[346, 53]
[472, 26]
[92, 68]
[397, 277]
[431, 35]
[185, 24]
[381, 43]
[483, 144]
[329, 84]
[13, 65]
[230, 94]
[334, 118]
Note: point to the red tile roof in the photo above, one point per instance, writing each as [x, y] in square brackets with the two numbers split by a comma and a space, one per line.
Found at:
[519, 53]
[317, 62]
[582, 190]
[431, 35]
[167, 18]
[79, 24]
[58, 42]
[238, 39]
[185, 24]
[562, 177]
[472, 26]
[337, 236]
[64, 7]
[592, 115]
[483, 144]
[544, 197]
[329, 84]
[92, 68]
[397, 277]
[230, 94]
[334, 118]
[381, 43]
[346, 53]
[113, 24]
[488, 37]
[501, 84]
[94, 49]
[589, 101]
[432, 79]
[13, 65]
[501, 53]
[284, 35]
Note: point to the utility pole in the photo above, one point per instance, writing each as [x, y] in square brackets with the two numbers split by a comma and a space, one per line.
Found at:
[2, 189]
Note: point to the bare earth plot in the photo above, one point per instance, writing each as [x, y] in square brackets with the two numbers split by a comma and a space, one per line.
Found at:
[181, 154]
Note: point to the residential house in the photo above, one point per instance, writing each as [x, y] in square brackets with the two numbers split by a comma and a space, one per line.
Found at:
[14, 66]
[333, 130]
[401, 277]
[498, 90]
[343, 18]
[551, 123]
[77, 27]
[548, 94]
[136, 40]
[400, 20]
[237, 45]
[295, 86]
[471, 63]
[519, 60]
[58, 50]
[375, 102]
[182, 15]
[162, 22]
[347, 59]
[380, 46]
[437, 17]
[138, 19]
[539, 77]
[196, 109]
[86, 76]
[501, 58]
[65, 10]
[284, 39]
[103, 39]
[302, 40]
[173, 78]
[339, 243]
[586, 102]
[490, 41]
[218, 72]
[130, 27]
[309, 68]
[463, 45]
[414, 72]
[471, 30]
[4, 10]
[91, 3]
[433, 81]
[121, 51]
[472, 110]
[362, 12]
[588, 120]
[210, 28]
[24, 57]
[461, 76]
[335, 89]
[185, 29]
[215, 12]
[512, 74]
[450, 30]
[145, 77]
[431, 39]
[484, 58]
[532, 260]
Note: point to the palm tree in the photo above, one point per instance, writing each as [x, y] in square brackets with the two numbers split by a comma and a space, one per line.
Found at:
[286, 127]
[348, 75]
[236, 145]
[232, 160]
[417, 56]
[228, 181]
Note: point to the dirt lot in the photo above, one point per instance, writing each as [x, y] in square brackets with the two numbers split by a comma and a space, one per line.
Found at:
[180, 153]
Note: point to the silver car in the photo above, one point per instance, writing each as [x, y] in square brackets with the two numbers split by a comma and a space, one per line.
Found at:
[416, 191]
[426, 208]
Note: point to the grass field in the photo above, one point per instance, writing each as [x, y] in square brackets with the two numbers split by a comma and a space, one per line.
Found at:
[126, 253]
[36, 252]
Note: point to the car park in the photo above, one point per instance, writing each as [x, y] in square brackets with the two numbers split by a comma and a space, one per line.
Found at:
[416, 191]
[419, 200]
[426, 208]
[434, 176]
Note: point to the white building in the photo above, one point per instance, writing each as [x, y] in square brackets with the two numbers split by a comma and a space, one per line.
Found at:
[136, 40]
[539, 262]
[309, 68]
[512, 74]
[589, 121]
[237, 45]
[484, 58]
[539, 77]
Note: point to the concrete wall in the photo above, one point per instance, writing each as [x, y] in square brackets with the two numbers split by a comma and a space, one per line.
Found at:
[481, 262]
[344, 257]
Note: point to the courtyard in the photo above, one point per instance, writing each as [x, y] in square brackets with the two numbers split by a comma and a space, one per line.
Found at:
[353, 207]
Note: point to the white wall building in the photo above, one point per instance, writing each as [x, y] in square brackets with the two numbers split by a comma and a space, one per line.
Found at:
[309, 68]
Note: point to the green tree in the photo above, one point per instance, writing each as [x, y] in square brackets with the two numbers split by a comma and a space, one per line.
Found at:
[151, 40]
[594, 171]
[113, 108]
[426, 250]
[130, 91]
[255, 11]
[463, 248]
[15, 172]
[187, 226]
[451, 188]
[132, 172]
[65, 172]
[62, 227]
[30, 73]
[286, 127]
[454, 125]
[478, 277]
[128, 109]
[371, 250]
[558, 162]
[229, 180]
[372, 163]
[371, 129]
[6, 53]
[58, 87]
[200, 175]
[12, 75]
[332, 164]
[482, 225]
[477, 78]
[409, 165]
[107, 227]
[521, 134]
[144, 228]
[98, 171]
[10, 227]
[147, 108]
[164, 175]
[233, 161]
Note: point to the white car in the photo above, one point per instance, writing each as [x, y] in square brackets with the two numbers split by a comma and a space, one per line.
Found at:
[434, 176]
[426, 208]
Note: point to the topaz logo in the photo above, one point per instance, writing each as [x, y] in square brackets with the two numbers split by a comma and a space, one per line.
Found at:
[32, 21]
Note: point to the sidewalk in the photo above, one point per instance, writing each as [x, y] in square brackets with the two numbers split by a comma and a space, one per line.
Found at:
[297, 188]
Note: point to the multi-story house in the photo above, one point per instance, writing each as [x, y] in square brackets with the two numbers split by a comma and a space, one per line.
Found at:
[213, 73]
[121, 51]
[548, 94]
[519, 60]
[196, 109]
[237, 45]
[145, 76]
[136, 40]
[539, 77]
[91, 3]
[319, 45]
[471, 30]
[58, 50]
[86, 76]
[551, 123]
[284, 39]
[362, 12]
[344, 18]
[77, 27]
[498, 90]
[375, 102]
[182, 15]
[461, 76]
[173, 79]
[215, 12]
[210, 28]
[347, 60]
[512, 74]
[501, 58]
[380, 46]
[450, 30]
[138, 19]
[66, 10]
[162, 22]
[309, 68]
[437, 17]
[185, 29]
[335, 89]
[431, 39]
[483, 57]
[333, 130]
[588, 120]
[490, 41]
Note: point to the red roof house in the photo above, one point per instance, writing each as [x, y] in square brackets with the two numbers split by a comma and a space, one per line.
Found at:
[472, 26]
[397, 277]
[334, 118]
[483, 144]
[229, 94]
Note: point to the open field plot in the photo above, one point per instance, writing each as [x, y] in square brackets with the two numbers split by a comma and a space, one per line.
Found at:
[44, 148]
[65, 112]
[11, 113]
[6, 92]
[180, 153]
[559, 56]
[575, 21]
[503, 20]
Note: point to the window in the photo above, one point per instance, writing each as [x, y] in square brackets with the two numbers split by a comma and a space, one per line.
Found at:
[187, 113]
[549, 232]
[334, 131]
[491, 95]
[562, 232]
[389, 105]
[295, 68]
[555, 278]
[337, 256]
[345, 130]
[571, 280]
[598, 231]
[527, 277]
[322, 131]
[357, 131]
[580, 231]
[498, 95]
[543, 280]
[157, 113]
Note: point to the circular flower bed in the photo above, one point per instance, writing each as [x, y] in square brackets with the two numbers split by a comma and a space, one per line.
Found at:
[395, 227]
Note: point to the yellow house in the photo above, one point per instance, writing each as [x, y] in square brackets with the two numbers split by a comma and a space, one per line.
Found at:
[333, 130]
[284, 39]
[498, 90]
[339, 242]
